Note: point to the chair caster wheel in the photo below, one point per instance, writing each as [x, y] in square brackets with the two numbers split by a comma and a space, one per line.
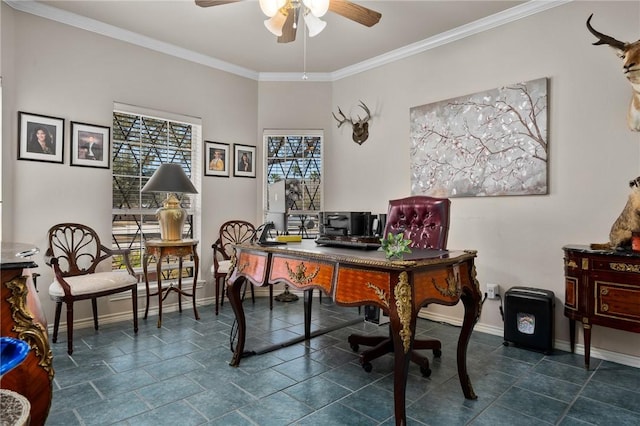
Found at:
[354, 347]
[437, 353]
[367, 367]
[426, 371]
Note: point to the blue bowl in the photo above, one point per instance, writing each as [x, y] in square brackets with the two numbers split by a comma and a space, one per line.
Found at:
[12, 352]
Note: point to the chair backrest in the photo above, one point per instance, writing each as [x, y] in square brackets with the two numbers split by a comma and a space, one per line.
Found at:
[77, 248]
[423, 220]
[234, 232]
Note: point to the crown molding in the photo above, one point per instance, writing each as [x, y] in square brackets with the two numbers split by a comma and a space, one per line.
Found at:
[295, 76]
[513, 14]
[95, 26]
[506, 16]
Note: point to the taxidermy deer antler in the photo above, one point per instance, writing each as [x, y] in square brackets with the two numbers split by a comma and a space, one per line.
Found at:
[360, 127]
[630, 54]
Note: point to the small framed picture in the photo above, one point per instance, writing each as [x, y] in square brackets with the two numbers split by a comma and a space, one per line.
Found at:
[217, 159]
[90, 145]
[245, 160]
[40, 138]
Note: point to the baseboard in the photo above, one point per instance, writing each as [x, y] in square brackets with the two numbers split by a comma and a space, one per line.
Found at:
[563, 345]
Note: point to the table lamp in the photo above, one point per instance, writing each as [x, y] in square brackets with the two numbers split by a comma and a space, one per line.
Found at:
[170, 178]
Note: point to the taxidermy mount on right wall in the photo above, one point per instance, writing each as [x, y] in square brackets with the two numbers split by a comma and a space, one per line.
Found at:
[630, 54]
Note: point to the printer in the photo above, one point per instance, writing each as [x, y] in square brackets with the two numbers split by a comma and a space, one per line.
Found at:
[345, 223]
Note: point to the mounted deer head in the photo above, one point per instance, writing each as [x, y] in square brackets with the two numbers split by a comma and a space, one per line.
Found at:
[630, 54]
[360, 127]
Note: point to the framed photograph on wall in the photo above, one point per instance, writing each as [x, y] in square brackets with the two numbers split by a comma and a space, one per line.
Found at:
[245, 160]
[217, 159]
[40, 138]
[90, 145]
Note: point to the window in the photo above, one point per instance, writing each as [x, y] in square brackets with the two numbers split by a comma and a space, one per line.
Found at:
[293, 183]
[140, 144]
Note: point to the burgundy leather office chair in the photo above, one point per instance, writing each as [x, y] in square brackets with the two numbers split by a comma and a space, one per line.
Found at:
[425, 221]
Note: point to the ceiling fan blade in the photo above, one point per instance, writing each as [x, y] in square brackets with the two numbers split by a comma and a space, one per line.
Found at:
[289, 30]
[359, 14]
[208, 3]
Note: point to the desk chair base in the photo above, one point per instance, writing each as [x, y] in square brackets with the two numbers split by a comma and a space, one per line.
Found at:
[383, 345]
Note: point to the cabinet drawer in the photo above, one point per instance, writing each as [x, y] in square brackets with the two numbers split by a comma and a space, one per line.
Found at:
[617, 301]
[616, 265]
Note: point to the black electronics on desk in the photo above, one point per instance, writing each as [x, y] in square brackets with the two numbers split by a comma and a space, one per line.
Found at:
[350, 229]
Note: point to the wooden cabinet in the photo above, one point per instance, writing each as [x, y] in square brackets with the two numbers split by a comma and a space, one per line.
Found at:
[23, 318]
[602, 287]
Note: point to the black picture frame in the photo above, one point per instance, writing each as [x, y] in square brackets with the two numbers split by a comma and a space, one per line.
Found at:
[40, 138]
[217, 159]
[244, 164]
[90, 145]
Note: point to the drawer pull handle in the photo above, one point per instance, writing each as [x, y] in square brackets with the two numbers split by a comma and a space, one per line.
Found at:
[604, 291]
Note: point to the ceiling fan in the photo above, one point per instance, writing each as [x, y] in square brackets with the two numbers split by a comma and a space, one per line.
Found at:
[284, 21]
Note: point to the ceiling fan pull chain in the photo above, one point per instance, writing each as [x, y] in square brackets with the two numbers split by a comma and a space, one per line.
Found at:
[304, 55]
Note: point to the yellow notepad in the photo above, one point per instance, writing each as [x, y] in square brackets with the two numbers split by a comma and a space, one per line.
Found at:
[289, 238]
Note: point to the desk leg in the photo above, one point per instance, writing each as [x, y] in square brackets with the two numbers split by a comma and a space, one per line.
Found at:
[402, 318]
[308, 299]
[180, 285]
[196, 262]
[159, 279]
[145, 260]
[235, 300]
[472, 300]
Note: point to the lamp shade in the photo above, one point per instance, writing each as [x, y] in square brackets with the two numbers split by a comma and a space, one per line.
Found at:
[275, 24]
[271, 7]
[170, 178]
[317, 7]
[315, 25]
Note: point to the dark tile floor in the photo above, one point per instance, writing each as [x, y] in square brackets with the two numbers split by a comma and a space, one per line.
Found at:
[179, 375]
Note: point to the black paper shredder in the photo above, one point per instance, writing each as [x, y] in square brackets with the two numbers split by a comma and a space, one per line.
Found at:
[528, 318]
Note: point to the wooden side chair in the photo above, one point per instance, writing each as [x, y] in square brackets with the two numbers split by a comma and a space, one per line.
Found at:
[74, 253]
[231, 232]
[425, 221]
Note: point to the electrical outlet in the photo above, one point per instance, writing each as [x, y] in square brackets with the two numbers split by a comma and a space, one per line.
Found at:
[493, 290]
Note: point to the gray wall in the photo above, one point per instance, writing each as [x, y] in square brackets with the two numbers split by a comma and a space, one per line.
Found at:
[591, 159]
[53, 69]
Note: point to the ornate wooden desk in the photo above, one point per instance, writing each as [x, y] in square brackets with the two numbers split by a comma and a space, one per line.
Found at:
[23, 318]
[602, 287]
[355, 277]
[160, 249]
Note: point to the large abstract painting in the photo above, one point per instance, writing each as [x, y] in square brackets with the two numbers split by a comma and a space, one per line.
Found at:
[486, 144]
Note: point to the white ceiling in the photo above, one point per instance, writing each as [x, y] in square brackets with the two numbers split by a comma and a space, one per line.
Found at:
[233, 35]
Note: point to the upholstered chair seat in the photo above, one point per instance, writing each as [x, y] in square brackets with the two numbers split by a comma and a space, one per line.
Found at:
[94, 283]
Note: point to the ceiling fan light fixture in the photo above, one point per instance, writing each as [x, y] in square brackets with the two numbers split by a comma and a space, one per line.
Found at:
[275, 24]
[315, 25]
[318, 7]
[271, 7]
